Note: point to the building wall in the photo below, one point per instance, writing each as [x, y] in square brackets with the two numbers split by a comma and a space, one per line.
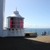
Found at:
[5, 33]
[15, 32]
[1, 16]
[8, 22]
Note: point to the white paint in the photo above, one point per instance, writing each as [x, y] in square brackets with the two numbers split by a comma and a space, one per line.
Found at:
[8, 22]
[1, 16]
[16, 14]
[15, 33]
[5, 33]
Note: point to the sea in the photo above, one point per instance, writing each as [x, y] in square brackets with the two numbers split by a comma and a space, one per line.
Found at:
[38, 30]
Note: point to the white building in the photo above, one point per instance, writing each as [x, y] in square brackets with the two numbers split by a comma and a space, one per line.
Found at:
[2, 8]
[15, 23]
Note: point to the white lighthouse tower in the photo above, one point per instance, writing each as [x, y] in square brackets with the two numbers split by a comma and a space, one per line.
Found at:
[15, 24]
[2, 7]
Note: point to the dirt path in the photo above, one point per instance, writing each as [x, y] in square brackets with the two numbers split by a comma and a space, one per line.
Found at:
[45, 39]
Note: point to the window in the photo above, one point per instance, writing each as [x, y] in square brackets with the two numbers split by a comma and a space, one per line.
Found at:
[13, 26]
[18, 26]
[16, 31]
[21, 24]
[12, 30]
[9, 29]
[10, 23]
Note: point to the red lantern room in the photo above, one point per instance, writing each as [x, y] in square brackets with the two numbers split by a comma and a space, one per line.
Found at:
[15, 20]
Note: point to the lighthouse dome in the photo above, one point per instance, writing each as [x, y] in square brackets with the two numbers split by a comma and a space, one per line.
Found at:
[16, 14]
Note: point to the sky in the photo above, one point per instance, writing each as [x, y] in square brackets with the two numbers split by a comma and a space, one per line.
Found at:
[35, 12]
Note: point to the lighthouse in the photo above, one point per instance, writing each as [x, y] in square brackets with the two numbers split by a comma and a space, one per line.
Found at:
[15, 24]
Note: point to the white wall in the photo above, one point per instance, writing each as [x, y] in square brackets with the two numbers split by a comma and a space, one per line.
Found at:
[5, 33]
[8, 22]
[16, 33]
[1, 16]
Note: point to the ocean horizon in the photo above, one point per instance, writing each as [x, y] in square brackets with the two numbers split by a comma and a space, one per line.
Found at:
[38, 30]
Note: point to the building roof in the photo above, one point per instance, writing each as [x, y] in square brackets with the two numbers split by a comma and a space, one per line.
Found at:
[16, 14]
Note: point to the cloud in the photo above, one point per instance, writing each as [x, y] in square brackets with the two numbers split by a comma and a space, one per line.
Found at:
[28, 25]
